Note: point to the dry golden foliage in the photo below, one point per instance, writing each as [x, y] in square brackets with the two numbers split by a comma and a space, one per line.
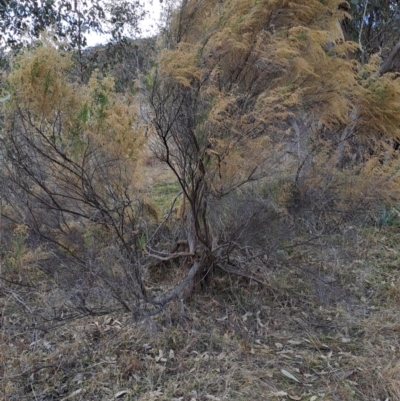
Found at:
[72, 156]
[40, 84]
[266, 66]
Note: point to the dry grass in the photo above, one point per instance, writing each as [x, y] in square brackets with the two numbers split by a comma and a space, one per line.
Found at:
[326, 327]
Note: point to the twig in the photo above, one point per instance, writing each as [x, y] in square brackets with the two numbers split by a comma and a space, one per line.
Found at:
[21, 301]
[166, 218]
[35, 370]
[239, 273]
[16, 283]
[172, 256]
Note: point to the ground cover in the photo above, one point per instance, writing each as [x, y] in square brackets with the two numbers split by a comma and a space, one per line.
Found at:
[323, 326]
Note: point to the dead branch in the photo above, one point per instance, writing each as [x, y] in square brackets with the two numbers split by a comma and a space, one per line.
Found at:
[240, 274]
[177, 291]
[172, 256]
[171, 209]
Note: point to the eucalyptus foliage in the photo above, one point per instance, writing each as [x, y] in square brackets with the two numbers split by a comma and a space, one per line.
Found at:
[22, 20]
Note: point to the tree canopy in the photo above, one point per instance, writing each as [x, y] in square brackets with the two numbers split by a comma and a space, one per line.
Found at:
[22, 20]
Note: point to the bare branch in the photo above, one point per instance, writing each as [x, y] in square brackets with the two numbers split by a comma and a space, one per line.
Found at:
[240, 274]
[172, 256]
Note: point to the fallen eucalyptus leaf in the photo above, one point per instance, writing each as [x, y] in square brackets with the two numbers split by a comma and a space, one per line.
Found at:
[344, 374]
[5, 98]
[73, 394]
[289, 375]
[280, 394]
[121, 393]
